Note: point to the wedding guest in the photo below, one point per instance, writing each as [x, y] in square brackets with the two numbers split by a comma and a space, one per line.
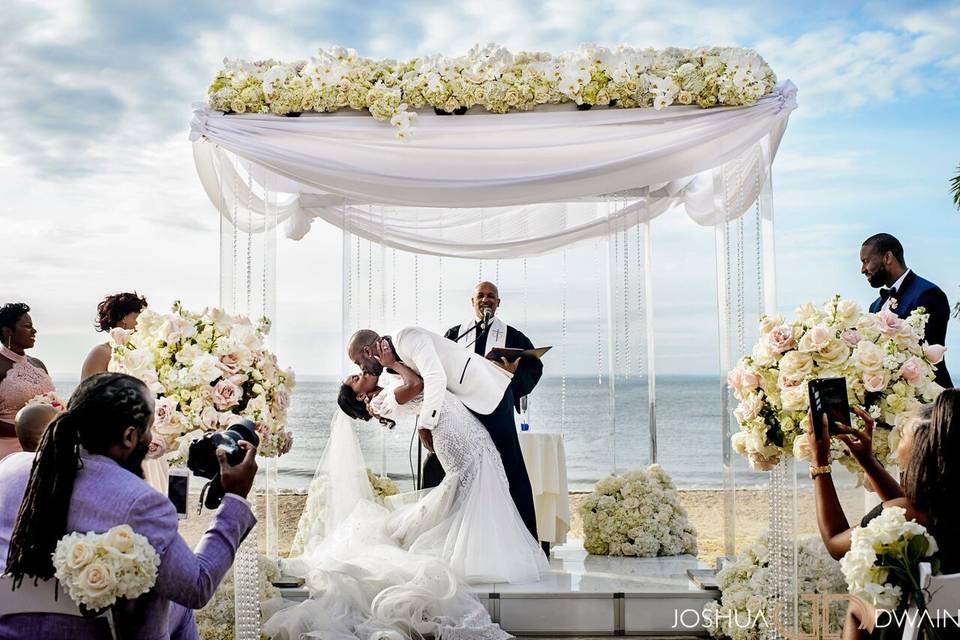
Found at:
[31, 422]
[22, 377]
[484, 337]
[119, 310]
[929, 454]
[87, 477]
[902, 291]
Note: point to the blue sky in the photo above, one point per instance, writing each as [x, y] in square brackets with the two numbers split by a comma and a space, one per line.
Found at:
[100, 194]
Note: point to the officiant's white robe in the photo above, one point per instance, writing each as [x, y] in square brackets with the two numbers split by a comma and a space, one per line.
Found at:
[474, 380]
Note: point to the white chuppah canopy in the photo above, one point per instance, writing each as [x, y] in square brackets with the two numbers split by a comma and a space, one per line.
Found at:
[520, 168]
[488, 186]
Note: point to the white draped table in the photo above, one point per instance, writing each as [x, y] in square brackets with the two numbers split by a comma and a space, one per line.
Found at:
[546, 461]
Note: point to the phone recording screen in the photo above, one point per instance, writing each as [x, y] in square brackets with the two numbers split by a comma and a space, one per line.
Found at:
[177, 492]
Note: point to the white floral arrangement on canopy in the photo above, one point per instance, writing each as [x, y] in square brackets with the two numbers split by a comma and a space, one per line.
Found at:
[637, 514]
[887, 366]
[493, 78]
[208, 369]
[744, 613]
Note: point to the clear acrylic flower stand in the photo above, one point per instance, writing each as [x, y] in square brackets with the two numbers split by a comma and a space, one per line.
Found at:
[781, 579]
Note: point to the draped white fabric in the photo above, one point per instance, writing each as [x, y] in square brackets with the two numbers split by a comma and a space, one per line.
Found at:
[485, 185]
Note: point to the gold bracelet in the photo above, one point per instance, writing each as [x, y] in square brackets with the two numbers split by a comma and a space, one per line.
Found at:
[819, 471]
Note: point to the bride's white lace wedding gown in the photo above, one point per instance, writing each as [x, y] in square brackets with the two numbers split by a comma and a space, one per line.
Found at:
[402, 571]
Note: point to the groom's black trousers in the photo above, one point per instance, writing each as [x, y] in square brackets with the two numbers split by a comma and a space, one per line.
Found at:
[503, 431]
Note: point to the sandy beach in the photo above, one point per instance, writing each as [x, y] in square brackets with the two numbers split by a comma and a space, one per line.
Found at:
[705, 509]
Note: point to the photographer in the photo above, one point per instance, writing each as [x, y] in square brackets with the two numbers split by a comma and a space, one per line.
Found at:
[929, 454]
[87, 477]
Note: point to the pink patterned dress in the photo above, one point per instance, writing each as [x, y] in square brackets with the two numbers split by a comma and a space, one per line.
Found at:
[23, 381]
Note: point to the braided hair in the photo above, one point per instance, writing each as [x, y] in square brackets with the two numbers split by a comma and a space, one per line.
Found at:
[98, 413]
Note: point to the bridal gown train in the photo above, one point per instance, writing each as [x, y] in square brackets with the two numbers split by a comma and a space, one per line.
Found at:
[402, 571]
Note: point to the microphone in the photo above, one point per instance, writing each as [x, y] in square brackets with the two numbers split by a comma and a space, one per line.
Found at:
[487, 318]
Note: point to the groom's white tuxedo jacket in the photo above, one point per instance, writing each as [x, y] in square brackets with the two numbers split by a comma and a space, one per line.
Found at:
[443, 364]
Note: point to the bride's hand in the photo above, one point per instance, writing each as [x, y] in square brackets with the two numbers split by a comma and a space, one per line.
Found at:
[385, 354]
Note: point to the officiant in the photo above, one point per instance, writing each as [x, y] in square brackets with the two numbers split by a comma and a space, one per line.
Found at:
[485, 336]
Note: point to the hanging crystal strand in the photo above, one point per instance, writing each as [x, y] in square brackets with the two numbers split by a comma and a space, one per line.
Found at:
[355, 308]
[627, 357]
[249, 282]
[393, 299]
[270, 464]
[483, 237]
[613, 350]
[236, 241]
[563, 341]
[370, 269]
[440, 288]
[496, 277]
[526, 294]
[598, 287]
[247, 582]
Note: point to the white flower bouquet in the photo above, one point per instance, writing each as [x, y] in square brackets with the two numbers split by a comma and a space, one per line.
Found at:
[495, 79]
[216, 620]
[50, 398]
[207, 370]
[883, 564]
[887, 366]
[743, 612]
[637, 514]
[97, 569]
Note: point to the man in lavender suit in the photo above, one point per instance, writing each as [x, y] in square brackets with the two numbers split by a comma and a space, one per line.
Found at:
[87, 477]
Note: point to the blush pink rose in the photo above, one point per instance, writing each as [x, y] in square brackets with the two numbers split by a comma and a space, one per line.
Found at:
[783, 382]
[888, 323]
[934, 353]
[164, 410]
[780, 340]
[287, 442]
[230, 362]
[912, 370]
[874, 382]
[851, 337]
[226, 395]
[158, 447]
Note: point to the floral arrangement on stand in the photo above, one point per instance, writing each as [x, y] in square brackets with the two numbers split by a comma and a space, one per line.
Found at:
[207, 369]
[887, 366]
[215, 621]
[50, 398]
[637, 514]
[743, 612]
[883, 564]
[493, 78]
[97, 569]
[382, 486]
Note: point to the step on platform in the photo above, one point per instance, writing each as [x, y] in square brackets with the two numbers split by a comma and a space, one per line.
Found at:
[597, 595]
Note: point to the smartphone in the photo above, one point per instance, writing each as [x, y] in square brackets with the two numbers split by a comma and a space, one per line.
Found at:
[178, 488]
[828, 396]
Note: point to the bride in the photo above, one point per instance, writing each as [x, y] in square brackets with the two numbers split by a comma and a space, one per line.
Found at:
[401, 571]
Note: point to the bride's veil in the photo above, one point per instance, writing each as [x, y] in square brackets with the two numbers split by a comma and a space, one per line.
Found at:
[338, 485]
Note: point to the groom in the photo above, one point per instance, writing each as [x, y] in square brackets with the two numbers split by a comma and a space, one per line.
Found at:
[478, 383]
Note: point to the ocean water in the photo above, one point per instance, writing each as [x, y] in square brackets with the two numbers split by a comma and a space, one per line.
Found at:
[688, 431]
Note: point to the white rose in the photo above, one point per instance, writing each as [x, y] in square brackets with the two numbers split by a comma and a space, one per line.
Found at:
[794, 398]
[137, 362]
[876, 381]
[164, 410]
[97, 580]
[848, 312]
[796, 366]
[120, 538]
[119, 335]
[206, 367]
[79, 554]
[834, 352]
[867, 357]
[801, 448]
[739, 442]
[933, 353]
[769, 323]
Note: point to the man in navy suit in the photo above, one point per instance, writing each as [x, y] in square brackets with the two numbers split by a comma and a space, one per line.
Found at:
[902, 291]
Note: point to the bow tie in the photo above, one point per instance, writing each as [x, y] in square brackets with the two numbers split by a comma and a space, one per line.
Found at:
[887, 292]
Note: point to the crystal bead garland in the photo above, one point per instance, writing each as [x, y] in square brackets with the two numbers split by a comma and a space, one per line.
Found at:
[596, 273]
[246, 596]
[780, 579]
[563, 340]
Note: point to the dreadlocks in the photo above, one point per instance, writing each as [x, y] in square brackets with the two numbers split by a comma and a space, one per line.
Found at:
[98, 413]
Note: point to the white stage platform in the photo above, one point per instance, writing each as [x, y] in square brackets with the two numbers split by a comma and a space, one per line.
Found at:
[596, 595]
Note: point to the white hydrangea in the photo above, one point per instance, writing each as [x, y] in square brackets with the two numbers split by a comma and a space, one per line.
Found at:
[637, 514]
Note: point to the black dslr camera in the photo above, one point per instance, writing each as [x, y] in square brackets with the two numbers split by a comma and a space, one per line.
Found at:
[202, 458]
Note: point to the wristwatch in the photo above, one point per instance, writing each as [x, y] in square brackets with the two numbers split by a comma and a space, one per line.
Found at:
[819, 471]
